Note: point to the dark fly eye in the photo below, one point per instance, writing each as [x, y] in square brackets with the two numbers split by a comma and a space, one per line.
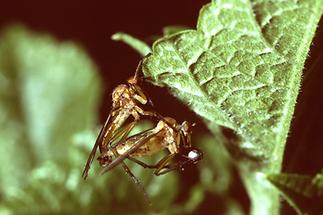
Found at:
[104, 160]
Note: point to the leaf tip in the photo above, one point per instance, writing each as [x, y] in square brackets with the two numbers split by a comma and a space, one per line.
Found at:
[117, 36]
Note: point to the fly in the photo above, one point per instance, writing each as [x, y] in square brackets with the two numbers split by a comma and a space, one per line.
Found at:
[127, 100]
[167, 134]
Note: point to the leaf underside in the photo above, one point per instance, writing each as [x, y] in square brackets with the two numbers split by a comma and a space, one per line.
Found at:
[241, 67]
[304, 193]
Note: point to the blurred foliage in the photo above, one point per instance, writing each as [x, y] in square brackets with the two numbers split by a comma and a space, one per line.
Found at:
[49, 92]
[49, 95]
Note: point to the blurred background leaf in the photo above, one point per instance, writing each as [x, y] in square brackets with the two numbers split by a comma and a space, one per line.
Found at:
[49, 92]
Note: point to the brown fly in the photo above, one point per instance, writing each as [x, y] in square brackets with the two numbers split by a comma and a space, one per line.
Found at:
[115, 146]
[127, 101]
[176, 138]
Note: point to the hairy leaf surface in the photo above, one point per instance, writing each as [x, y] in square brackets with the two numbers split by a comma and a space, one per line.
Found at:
[241, 67]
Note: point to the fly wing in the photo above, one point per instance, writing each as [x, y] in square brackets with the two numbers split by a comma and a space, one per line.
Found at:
[140, 140]
[98, 141]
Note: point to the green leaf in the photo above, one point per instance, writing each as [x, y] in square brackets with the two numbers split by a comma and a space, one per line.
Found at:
[140, 46]
[303, 192]
[241, 68]
[173, 29]
[133, 42]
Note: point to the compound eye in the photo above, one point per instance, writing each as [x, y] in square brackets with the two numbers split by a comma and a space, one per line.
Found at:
[104, 160]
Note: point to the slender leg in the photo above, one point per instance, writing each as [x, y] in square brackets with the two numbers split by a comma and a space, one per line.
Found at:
[163, 167]
[167, 169]
[126, 132]
[134, 179]
[163, 163]
[138, 71]
[151, 114]
[139, 140]
[144, 165]
[137, 182]
[186, 141]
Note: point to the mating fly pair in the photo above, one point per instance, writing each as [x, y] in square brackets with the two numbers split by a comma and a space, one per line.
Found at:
[115, 145]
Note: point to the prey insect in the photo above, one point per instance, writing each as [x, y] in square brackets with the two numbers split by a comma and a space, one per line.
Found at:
[176, 138]
[127, 102]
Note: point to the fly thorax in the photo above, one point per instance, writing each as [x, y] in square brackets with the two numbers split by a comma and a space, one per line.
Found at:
[170, 136]
[121, 118]
[160, 126]
[121, 149]
[127, 103]
[119, 92]
[170, 140]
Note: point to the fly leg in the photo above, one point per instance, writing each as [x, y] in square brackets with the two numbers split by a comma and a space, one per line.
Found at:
[162, 167]
[142, 139]
[125, 133]
[107, 146]
[137, 182]
[165, 165]
[151, 114]
[141, 163]
[168, 168]
[138, 72]
[139, 140]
